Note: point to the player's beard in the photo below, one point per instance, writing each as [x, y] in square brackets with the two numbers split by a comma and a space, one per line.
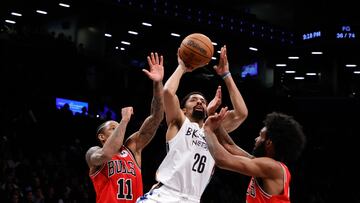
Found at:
[198, 115]
[259, 151]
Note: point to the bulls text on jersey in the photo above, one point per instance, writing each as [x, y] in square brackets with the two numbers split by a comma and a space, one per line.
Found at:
[120, 166]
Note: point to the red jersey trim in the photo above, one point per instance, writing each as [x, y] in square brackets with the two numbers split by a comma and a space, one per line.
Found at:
[264, 194]
[132, 157]
[97, 171]
[286, 178]
[268, 196]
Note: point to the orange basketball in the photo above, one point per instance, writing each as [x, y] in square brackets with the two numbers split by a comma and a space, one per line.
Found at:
[196, 50]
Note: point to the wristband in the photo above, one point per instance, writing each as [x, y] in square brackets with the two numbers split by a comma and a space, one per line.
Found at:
[225, 75]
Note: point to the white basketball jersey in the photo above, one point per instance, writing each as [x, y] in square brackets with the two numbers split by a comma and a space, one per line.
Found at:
[188, 165]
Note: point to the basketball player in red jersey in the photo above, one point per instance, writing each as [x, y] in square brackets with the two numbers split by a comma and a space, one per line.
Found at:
[280, 142]
[115, 167]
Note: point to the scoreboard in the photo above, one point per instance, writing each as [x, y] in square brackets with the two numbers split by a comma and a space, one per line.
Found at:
[345, 32]
[332, 33]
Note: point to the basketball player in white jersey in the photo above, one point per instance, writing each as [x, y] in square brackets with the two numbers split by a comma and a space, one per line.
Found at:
[188, 166]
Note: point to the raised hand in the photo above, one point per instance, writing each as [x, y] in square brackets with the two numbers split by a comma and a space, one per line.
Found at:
[215, 102]
[214, 121]
[182, 64]
[223, 66]
[156, 67]
[126, 113]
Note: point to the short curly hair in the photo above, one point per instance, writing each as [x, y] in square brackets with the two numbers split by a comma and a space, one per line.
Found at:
[183, 101]
[286, 135]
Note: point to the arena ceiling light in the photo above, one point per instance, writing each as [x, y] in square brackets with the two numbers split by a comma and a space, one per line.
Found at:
[133, 32]
[41, 12]
[253, 49]
[64, 5]
[351, 65]
[125, 42]
[16, 14]
[146, 24]
[10, 21]
[175, 34]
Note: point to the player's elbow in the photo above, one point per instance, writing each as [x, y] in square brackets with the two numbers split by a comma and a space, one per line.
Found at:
[240, 116]
[168, 92]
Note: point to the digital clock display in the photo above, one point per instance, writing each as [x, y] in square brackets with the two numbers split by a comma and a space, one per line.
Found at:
[311, 35]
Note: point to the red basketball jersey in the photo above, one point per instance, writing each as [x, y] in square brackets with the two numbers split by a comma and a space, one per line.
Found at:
[255, 194]
[119, 180]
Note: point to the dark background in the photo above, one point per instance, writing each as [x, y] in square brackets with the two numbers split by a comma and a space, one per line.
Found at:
[65, 54]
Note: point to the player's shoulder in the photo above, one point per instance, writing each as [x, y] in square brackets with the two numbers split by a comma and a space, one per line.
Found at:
[92, 150]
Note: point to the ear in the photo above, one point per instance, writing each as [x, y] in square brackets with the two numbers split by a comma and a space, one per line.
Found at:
[101, 137]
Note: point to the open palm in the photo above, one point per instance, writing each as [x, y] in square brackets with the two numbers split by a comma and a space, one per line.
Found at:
[156, 68]
[223, 65]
